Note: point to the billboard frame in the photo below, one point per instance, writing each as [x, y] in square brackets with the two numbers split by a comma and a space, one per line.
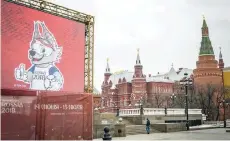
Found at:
[73, 15]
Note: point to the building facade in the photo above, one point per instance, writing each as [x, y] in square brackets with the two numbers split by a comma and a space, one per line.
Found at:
[129, 89]
[96, 98]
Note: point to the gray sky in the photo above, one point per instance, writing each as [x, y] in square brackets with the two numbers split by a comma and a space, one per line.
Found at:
[166, 31]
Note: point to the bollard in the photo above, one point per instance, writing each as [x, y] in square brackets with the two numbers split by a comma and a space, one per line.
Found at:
[107, 136]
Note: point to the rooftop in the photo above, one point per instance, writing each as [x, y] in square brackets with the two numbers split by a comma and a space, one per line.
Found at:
[174, 75]
[128, 75]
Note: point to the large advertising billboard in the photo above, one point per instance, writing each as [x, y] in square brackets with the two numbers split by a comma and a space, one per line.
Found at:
[41, 51]
[49, 116]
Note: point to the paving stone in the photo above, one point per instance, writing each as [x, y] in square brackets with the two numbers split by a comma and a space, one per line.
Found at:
[208, 134]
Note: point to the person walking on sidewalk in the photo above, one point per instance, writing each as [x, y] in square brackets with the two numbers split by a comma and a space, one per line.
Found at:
[148, 126]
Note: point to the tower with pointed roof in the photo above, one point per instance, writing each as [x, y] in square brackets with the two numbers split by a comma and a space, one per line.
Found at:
[138, 82]
[207, 70]
[221, 61]
[107, 73]
[138, 73]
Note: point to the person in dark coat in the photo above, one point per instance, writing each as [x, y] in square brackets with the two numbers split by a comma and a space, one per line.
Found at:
[148, 126]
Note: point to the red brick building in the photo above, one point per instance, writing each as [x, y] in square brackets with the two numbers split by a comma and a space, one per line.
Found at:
[126, 89]
[96, 98]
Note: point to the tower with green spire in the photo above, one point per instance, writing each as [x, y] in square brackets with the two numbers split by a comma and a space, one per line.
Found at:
[206, 45]
[207, 70]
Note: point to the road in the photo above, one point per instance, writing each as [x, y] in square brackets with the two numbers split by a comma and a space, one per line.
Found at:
[208, 134]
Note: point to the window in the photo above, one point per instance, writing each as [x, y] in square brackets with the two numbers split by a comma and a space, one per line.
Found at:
[121, 102]
[111, 102]
[125, 102]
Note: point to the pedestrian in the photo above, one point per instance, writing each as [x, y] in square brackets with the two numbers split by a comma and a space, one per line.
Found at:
[148, 126]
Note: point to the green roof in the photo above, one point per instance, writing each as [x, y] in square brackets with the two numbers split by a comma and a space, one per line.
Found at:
[204, 24]
[206, 45]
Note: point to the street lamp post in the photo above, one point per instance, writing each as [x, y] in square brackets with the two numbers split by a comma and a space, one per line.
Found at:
[186, 100]
[224, 114]
[140, 106]
[186, 82]
[173, 96]
[222, 71]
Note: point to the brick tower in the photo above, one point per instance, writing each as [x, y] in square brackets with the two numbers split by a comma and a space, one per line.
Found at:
[107, 73]
[138, 83]
[221, 61]
[207, 70]
[106, 85]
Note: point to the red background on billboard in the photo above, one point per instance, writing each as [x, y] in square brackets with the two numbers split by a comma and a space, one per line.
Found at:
[28, 119]
[17, 27]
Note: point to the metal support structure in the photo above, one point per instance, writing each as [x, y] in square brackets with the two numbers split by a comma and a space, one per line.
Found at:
[89, 54]
[70, 14]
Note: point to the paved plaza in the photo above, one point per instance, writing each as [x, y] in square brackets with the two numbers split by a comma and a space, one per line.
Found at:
[207, 134]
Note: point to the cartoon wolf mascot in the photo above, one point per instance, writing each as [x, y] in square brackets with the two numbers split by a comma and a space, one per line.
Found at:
[43, 54]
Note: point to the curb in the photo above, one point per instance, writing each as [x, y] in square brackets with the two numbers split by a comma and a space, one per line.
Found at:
[204, 128]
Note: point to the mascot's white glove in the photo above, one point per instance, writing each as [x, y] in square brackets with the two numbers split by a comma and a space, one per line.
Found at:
[51, 83]
[21, 73]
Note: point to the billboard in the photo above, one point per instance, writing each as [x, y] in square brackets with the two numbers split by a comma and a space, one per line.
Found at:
[41, 51]
[49, 116]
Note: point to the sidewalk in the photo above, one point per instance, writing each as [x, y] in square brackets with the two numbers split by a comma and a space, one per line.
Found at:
[205, 126]
[208, 134]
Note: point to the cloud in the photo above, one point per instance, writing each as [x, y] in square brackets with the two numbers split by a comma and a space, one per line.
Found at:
[165, 31]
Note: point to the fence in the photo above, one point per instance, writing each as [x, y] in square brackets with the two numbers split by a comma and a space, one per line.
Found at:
[157, 111]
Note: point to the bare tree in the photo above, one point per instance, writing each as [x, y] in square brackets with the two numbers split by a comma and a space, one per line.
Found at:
[145, 102]
[157, 100]
[208, 97]
[180, 101]
[168, 102]
[227, 92]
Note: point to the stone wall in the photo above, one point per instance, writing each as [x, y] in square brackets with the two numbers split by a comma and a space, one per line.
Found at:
[169, 127]
[110, 117]
[136, 120]
[140, 120]
[116, 129]
[162, 119]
